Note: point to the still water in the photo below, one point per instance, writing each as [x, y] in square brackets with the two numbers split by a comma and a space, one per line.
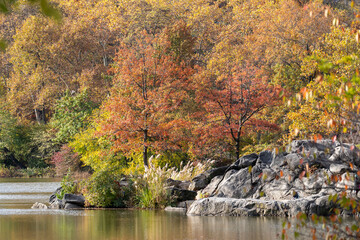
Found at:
[18, 221]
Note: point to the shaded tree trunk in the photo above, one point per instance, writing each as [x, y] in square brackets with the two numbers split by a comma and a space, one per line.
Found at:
[145, 152]
[237, 149]
[40, 115]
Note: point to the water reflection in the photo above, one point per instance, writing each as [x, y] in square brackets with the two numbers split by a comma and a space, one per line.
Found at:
[31, 224]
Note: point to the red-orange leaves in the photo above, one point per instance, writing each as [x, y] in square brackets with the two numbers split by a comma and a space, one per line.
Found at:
[233, 97]
[149, 89]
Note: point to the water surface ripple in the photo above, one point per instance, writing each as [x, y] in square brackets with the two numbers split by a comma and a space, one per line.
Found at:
[19, 221]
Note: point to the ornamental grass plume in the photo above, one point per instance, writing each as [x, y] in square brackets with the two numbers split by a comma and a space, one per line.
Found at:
[151, 187]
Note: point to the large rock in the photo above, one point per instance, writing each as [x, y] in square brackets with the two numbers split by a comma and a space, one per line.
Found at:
[295, 161]
[212, 187]
[53, 196]
[178, 184]
[265, 157]
[57, 204]
[299, 180]
[246, 161]
[74, 199]
[69, 206]
[345, 153]
[216, 206]
[236, 185]
[202, 180]
[308, 147]
[339, 168]
[180, 195]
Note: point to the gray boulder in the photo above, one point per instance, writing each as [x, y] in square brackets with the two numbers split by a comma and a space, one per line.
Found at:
[57, 204]
[53, 196]
[308, 147]
[344, 153]
[74, 199]
[178, 184]
[284, 184]
[69, 206]
[265, 157]
[339, 168]
[246, 161]
[295, 161]
[202, 180]
[216, 206]
[180, 195]
[236, 185]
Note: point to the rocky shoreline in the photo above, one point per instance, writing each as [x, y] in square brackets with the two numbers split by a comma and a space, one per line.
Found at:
[301, 179]
[68, 201]
[284, 184]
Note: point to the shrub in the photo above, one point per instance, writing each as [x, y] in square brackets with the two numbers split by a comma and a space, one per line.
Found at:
[66, 160]
[103, 190]
[8, 171]
[68, 185]
[37, 172]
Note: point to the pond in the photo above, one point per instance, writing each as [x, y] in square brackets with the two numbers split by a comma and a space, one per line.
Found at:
[19, 221]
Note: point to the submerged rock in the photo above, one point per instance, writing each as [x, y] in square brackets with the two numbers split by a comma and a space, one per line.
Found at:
[175, 209]
[38, 205]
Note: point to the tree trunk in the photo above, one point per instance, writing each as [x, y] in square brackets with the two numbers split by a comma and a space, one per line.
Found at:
[40, 115]
[238, 144]
[145, 152]
[237, 148]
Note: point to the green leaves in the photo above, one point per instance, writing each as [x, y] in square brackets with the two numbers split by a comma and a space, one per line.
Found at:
[70, 115]
[45, 6]
[3, 45]
[5, 5]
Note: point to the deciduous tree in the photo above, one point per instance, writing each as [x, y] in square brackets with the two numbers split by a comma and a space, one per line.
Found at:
[149, 87]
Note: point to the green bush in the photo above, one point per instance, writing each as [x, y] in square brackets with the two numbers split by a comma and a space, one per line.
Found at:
[68, 185]
[103, 190]
[71, 112]
[22, 145]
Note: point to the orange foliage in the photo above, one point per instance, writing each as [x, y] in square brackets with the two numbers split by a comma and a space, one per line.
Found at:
[149, 89]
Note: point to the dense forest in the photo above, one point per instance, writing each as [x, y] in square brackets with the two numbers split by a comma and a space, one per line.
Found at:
[106, 85]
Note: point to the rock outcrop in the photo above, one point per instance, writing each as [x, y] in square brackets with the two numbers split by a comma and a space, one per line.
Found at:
[69, 201]
[270, 184]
